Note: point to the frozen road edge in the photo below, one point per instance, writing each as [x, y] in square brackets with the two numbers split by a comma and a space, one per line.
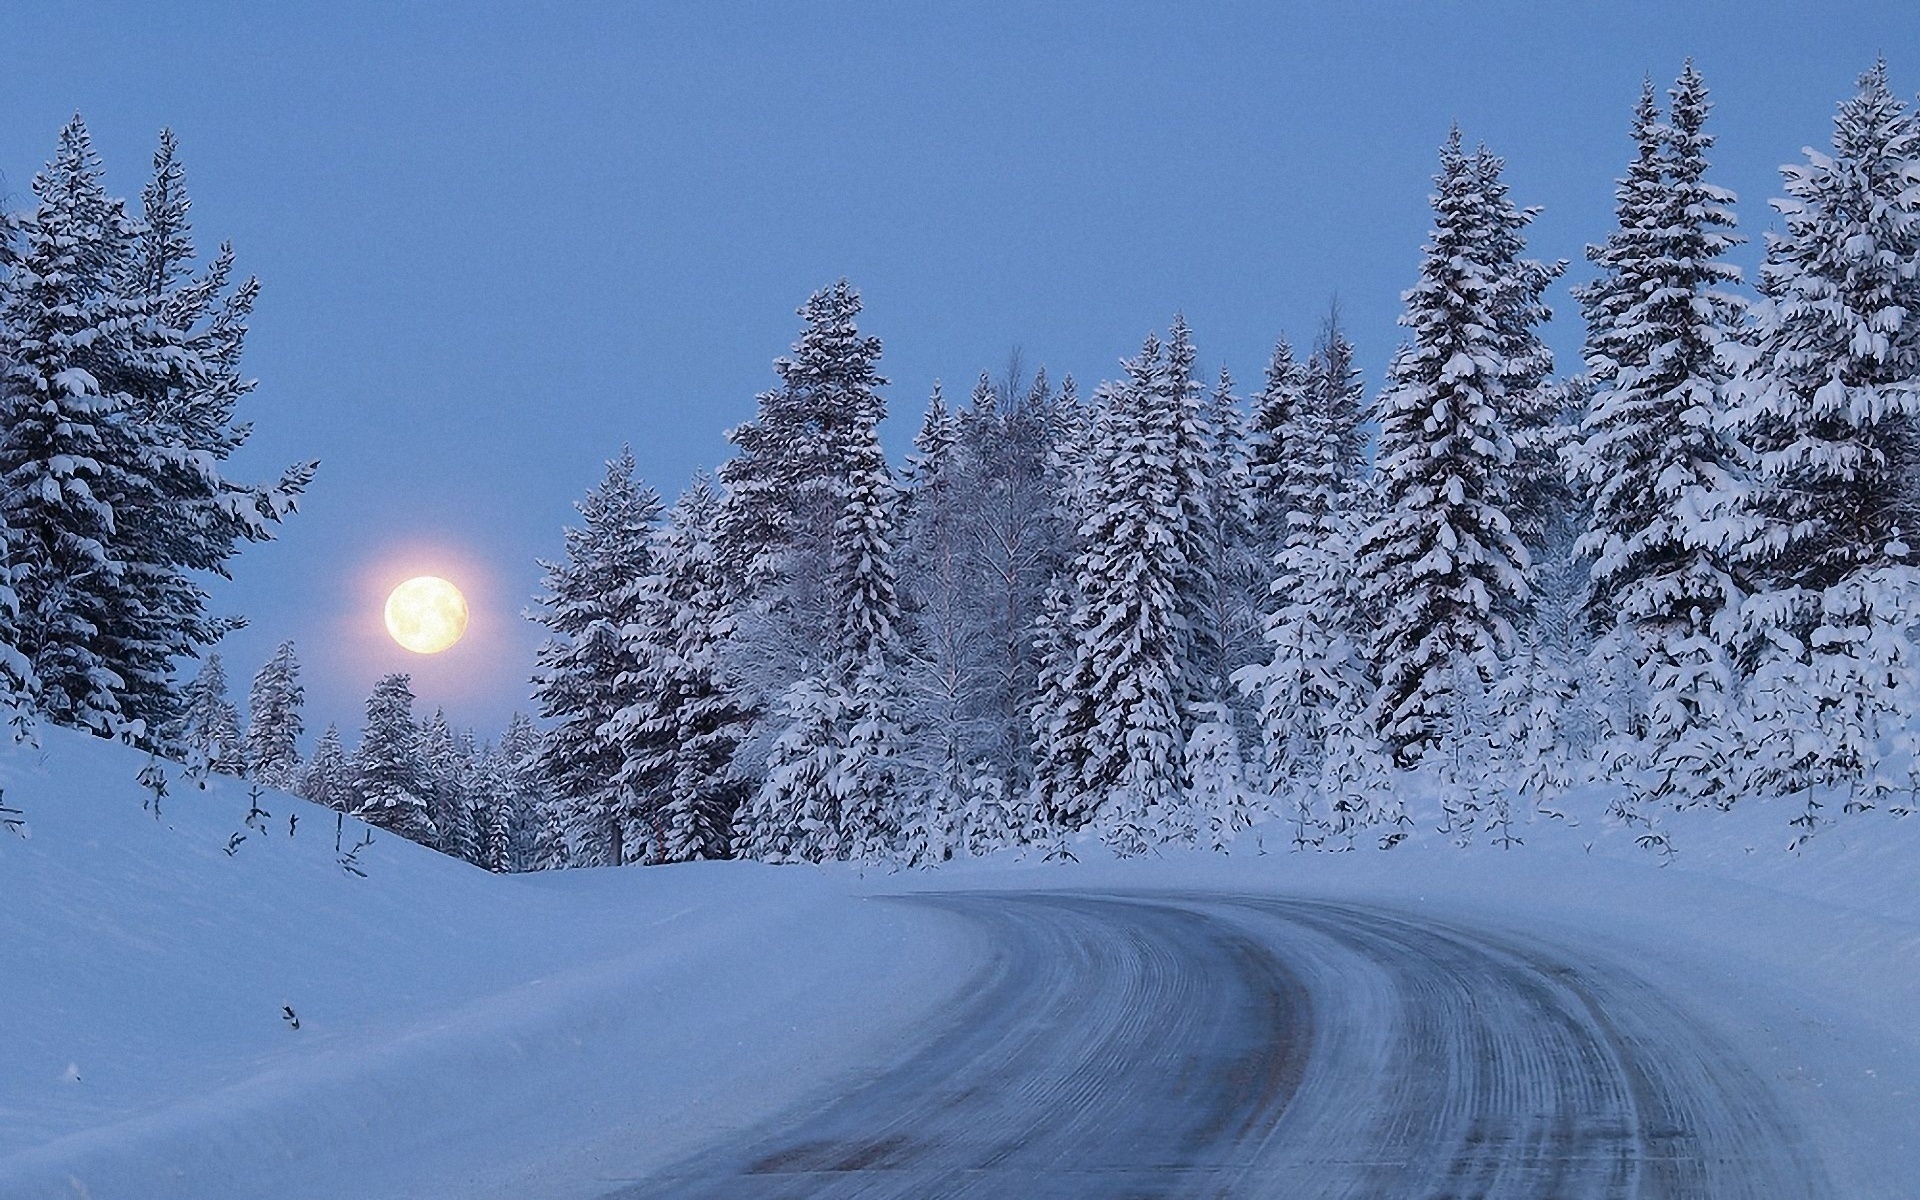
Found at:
[1161, 1045]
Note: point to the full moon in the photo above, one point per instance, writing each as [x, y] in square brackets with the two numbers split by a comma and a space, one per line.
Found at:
[426, 614]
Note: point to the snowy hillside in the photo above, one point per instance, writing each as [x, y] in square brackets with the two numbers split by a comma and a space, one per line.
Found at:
[508, 1023]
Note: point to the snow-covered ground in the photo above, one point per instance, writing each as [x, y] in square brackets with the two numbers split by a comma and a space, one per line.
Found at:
[554, 1035]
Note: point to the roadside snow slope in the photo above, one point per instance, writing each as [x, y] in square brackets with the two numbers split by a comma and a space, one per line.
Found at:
[460, 1034]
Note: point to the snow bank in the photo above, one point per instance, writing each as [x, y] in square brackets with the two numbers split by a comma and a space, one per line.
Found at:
[460, 1034]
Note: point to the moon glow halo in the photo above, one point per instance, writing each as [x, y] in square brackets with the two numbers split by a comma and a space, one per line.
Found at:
[426, 614]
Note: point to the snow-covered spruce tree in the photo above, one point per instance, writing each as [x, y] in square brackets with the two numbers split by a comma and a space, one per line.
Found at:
[1115, 719]
[680, 732]
[60, 434]
[1276, 415]
[825, 610]
[1440, 562]
[118, 411]
[1652, 456]
[386, 769]
[868, 651]
[444, 772]
[1312, 689]
[591, 596]
[1827, 407]
[176, 515]
[1531, 406]
[207, 728]
[494, 813]
[274, 725]
[1828, 410]
[1242, 574]
[1223, 801]
[793, 816]
[785, 492]
[1209, 467]
[539, 837]
[327, 777]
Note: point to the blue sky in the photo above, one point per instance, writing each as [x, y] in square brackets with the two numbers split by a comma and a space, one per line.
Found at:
[496, 242]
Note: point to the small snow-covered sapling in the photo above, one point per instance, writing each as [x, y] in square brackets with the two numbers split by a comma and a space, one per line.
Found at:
[289, 1016]
[153, 777]
[233, 843]
[12, 818]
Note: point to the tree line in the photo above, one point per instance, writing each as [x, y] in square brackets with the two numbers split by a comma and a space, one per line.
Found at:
[1166, 610]
[1159, 612]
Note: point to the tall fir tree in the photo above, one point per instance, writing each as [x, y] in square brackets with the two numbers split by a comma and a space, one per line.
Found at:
[1311, 689]
[118, 412]
[1112, 698]
[327, 777]
[1829, 404]
[1829, 411]
[1652, 456]
[444, 771]
[208, 726]
[388, 786]
[61, 440]
[586, 668]
[274, 725]
[680, 734]
[1440, 562]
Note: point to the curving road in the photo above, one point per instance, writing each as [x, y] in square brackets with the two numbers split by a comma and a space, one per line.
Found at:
[1224, 1046]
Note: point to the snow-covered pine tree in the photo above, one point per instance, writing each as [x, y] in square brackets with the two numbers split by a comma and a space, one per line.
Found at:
[1313, 686]
[1222, 798]
[274, 725]
[1440, 562]
[1203, 468]
[822, 589]
[1829, 404]
[539, 838]
[944, 648]
[794, 815]
[175, 513]
[1829, 409]
[1652, 456]
[585, 669]
[117, 413]
[444, 772]
[207, 728]
[494, 813]
[1276, 413]
[386, 769]
[1532, 407]
[1120, 694]
[683, 728]
[1242, 572]
[785, 493]
[868, 649]
[327, 777]
[60, 436]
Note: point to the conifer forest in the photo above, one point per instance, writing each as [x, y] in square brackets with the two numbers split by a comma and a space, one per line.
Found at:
[1158, 609]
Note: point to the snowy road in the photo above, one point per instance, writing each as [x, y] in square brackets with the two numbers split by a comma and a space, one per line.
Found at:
[1168, 1045]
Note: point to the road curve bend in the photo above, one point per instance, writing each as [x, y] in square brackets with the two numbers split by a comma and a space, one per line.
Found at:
[1202, 1045]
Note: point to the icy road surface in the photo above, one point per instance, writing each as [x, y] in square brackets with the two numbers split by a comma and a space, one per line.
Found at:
[1167, 1045]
